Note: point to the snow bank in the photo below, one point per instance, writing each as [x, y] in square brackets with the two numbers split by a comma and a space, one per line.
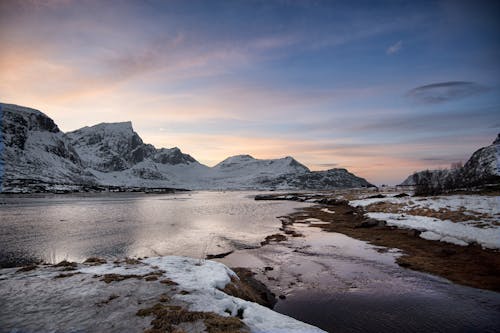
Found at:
[443, 230]
[203, 279]
[477, 203]
[367, 202]
[39, 301]
[472, 203]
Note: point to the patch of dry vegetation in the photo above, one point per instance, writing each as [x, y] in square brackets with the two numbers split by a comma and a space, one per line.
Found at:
[460, 215]
[167, 317]
[468, 265]
[246, 287]
[169, 282]
[106, 301]
[94, 261]
[27, 268]
[153, 276]
[66, 263]
[65, 275]
[132, 261]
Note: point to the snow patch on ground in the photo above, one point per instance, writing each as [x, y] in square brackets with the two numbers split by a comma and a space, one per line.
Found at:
[204, 279]
[482, 227]
[38, 301]
[472, 203]
[457, 233]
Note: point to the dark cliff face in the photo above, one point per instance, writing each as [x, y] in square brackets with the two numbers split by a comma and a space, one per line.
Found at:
[18, 124]
[110, 147]
[482, 168]
[117, 147]
[36, 150]
[320, 180]
[172, 156]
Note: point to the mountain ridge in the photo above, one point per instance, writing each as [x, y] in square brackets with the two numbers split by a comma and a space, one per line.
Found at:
[482, 168]
[113, 154]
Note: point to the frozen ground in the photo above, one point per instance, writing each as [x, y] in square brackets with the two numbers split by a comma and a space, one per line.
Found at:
[41, 300]
[457, 219]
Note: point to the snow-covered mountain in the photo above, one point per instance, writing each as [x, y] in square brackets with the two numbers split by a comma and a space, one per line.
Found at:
[321, 180]
[110, 147]
[36, 152]
[482, 168]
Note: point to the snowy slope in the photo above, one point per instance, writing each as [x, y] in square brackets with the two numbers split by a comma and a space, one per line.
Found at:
[36, 151]
[113, 154]
[248, 172]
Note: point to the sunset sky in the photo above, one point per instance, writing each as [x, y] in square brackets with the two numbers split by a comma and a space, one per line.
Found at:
[380, 88]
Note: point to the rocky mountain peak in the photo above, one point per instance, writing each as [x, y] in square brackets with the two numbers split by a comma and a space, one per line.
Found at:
[29, 118]
[482, 168]
[497, 140]
[110, 146]
[38, 154]
[172, 156]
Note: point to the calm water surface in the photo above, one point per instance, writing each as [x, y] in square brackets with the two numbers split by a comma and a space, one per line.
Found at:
[75, 227]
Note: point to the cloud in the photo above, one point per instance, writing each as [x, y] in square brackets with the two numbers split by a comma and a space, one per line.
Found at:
[395, 48]
[445, 91]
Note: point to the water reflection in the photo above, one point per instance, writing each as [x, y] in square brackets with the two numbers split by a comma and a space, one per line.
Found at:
[74, 227]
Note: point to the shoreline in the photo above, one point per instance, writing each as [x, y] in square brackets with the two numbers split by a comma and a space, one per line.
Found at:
[470, 265]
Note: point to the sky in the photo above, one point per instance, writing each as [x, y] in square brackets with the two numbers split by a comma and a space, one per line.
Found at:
[382, 88]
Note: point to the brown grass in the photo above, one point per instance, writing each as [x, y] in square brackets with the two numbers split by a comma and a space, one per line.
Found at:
[94, 261]
[169, 282]
[460, 215]
[65, 263]
[106, 301]
[108, 278]
[248, 288]
[65, 275]
[166, 317]
[469, 265]
[132, 261]
[153, 276]
[27, 268]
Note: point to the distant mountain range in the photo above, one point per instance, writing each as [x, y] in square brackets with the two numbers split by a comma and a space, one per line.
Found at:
[36, 156]
[482, 168]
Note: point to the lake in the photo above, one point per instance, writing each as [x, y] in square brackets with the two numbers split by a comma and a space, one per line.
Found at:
[52, 228]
